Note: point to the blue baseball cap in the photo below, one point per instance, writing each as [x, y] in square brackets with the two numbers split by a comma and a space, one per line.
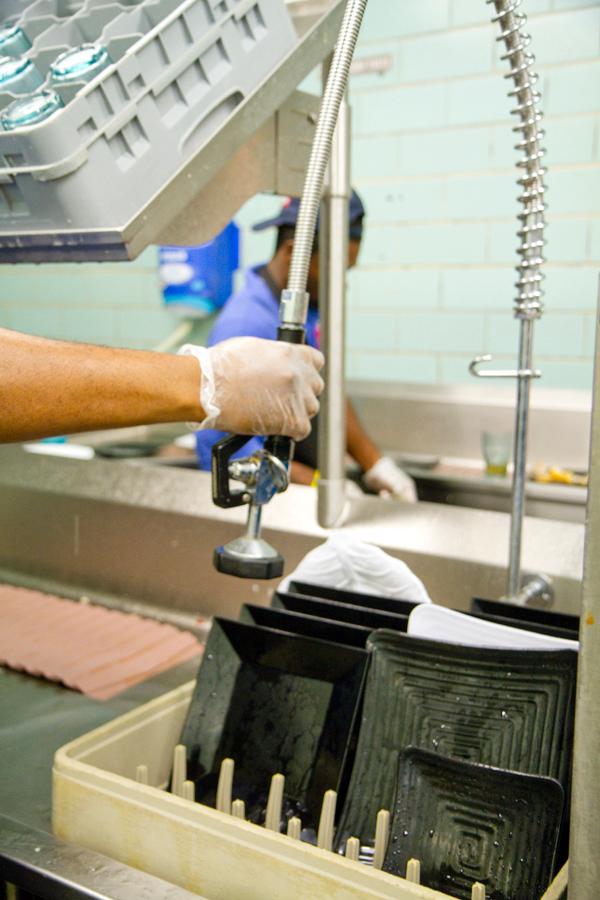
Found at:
[288, 216]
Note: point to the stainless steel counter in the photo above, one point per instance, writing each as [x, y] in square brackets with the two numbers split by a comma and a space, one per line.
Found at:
[147, 534]
[36, 718]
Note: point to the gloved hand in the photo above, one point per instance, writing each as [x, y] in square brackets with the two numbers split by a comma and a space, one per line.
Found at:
[387, 479]
[253, 386]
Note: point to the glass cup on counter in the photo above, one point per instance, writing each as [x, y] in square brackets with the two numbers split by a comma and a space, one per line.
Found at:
[30, 110]
[13, 41]
[496, 447]
[18, 75]
[79, 64]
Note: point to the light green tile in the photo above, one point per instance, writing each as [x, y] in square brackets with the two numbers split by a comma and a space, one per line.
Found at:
[478, 288]
[478, 100]
[554, 335]
[371, 331]
[565, 374]
[17, 287]
[571, 89]
[420, 245]
[38, 320]
[395, 289]
[400, 109]
[576, 191]
[375, 157]
[481, 196]
[595, 240]
[395, 367]
[589, 335]
[409, 200]
[566, 241]
[441, 332]
[572, 287]
[448, 55]
[563, 37]
[383, 18]
[89, 324]
[361, 79]
[146, 327]
[445, 151]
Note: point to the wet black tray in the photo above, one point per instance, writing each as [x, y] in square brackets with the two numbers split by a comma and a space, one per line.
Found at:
[273, 702]
[540, 620]
[309, 626]
[340, 612]
[468, 822]
[370, 601]
[507, 708]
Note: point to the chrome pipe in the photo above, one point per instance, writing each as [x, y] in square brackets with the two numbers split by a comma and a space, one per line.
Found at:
[319, 158]
[520, 458]
[584, 855]
[333, 256]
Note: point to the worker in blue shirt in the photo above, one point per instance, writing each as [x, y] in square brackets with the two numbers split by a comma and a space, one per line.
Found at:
[254, 311]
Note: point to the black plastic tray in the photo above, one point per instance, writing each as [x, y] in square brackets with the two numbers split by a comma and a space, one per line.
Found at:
[512, 709]
[354, 598]
[273, 702]
[467, 822]
[540, 620]
[340, 612]
[309, 626]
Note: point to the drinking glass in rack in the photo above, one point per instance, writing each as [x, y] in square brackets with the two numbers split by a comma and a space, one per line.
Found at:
[18, 75]
[13, 41]
[30, 110]
[79, 64]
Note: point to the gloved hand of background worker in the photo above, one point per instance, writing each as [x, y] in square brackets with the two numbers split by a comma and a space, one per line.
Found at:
[254, 386]
[388, 479]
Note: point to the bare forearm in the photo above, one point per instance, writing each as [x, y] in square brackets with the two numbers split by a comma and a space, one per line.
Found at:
[358, 443]
[51, 387]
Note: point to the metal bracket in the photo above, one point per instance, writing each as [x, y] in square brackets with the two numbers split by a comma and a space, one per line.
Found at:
[499, 373]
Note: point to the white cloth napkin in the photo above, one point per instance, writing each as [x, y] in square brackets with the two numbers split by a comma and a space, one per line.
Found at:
[346, 563]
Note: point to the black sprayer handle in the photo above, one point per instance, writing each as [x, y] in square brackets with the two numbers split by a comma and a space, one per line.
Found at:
[283, 447]
[222, 452]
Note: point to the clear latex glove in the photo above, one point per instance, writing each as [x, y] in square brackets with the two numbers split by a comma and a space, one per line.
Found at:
[387, 479]
[254, 386]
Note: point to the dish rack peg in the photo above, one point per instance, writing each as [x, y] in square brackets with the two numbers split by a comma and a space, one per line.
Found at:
[238, 809]
[478, 891]
[274, 803]
[353, 849]
[188, 791]
[294, 828]
[382, 833]
[325, 833]
[225, 786]
[413, 871]
[179, 769]
[141, 774]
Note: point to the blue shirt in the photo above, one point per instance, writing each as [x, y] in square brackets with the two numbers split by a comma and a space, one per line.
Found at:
[251, 312]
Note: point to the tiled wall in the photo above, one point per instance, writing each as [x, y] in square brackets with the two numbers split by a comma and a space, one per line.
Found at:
[433, 159]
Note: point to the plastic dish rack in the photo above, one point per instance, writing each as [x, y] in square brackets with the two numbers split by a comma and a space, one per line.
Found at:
[98, 803]
[179, 70]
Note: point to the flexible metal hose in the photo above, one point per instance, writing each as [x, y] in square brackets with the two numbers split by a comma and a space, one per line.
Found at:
[528, 303]
[321, 148]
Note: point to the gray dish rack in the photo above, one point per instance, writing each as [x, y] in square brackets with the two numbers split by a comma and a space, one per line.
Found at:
[179, 70]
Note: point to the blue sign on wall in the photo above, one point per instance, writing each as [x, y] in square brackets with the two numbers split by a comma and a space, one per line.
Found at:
[198, 280]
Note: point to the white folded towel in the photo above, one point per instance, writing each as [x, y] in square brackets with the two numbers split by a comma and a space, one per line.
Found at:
[346, 563]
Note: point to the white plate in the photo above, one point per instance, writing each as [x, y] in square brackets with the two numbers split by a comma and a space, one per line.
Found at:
[440, 624]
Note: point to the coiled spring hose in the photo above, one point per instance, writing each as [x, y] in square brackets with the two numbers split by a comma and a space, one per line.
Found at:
[528, 303]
